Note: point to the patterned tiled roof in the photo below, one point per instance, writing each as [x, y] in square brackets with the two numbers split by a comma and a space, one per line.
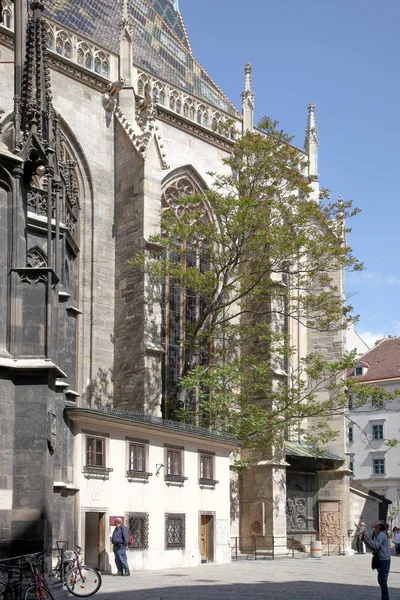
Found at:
[94, 19]
[167, 11]
[160, 44]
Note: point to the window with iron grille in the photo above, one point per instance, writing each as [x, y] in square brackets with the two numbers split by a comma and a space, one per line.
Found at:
[95, 452]
[137, 457]
[206, 467]
[175, 531]
[377, 432]
[378, 466]
[138, 524]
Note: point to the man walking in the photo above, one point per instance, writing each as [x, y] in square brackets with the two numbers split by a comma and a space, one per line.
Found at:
[120, 540]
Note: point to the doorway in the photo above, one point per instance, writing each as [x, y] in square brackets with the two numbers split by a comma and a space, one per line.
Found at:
[207, 537]
[95, 540]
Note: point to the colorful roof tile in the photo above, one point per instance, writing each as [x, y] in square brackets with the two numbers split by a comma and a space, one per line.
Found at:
[160, 43]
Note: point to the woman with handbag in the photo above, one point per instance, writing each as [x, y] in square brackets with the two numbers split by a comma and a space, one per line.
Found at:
[379, 543]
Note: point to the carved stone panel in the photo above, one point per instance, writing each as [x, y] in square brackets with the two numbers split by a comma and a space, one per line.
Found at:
[257, 519]
[330, 522]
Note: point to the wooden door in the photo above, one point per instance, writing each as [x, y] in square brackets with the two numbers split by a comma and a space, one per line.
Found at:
[204, 538]
[102, 541]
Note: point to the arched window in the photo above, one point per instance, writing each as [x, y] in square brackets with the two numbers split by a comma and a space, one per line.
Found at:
[202, 115]
[63, 44]
[143, 85]
[175, 102]
[159, 93]
[188, 109]
[101, 64]
[180, 307]
[7, 18]
[84, 56]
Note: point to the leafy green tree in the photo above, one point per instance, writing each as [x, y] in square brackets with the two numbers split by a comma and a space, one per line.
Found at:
[256, 256]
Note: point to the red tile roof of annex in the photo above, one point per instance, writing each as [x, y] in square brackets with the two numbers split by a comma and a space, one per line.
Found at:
[383, 362]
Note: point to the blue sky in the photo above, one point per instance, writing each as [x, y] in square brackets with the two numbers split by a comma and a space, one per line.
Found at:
[344, 55]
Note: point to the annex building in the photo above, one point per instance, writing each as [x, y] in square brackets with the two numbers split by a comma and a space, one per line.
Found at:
[107, 117]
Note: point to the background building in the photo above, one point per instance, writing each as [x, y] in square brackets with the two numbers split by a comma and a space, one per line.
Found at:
[374, 463]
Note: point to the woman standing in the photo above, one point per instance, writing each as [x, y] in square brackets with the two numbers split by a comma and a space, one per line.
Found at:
[380, 542]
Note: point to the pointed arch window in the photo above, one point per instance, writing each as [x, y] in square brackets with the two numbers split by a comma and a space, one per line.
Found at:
[101, 65]
[180, 307]
[7, 19]
[63, 44]
[84, 56]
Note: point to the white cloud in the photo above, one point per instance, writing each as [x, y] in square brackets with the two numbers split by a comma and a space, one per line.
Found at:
[373, 278]
[369, 337]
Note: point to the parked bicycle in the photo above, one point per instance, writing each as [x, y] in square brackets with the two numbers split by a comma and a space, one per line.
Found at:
[37, 590]
[11, 588]
[79, 579]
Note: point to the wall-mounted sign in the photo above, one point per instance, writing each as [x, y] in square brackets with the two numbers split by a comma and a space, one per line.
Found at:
[112, 519]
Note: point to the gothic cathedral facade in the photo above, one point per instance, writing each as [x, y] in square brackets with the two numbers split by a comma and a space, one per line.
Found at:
[107, 117]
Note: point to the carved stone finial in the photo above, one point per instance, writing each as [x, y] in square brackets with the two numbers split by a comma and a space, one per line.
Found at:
[248, 85]
[311, 131]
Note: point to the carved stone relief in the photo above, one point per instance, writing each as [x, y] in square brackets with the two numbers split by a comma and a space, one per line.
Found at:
[257, 519]
[330, 522]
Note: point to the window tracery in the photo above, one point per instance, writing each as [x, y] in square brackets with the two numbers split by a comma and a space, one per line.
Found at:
[159, 93]
[202, 115]
[36, 258]
[180, 307]
[101, 64]
[8, 14]
[84, 56]
[63, 44]
[189, 109]
[143, 85]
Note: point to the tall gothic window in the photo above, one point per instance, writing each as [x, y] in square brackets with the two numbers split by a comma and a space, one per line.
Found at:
[180, 307]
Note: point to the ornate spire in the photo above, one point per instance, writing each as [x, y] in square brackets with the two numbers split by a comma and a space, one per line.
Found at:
[311, 147]
[311, 131]
[248, 98]
[35, 103]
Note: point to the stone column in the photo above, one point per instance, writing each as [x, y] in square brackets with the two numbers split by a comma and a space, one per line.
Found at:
[263, 507]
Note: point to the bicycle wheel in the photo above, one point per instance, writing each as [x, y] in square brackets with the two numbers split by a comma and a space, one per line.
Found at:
[7, 592]
[3, 591]
[34, 592]
[84, 582]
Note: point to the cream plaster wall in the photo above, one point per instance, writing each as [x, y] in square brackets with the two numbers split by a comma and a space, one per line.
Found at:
[118, 495]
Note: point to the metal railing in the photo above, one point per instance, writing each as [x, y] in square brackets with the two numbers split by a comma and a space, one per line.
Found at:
[262, 548]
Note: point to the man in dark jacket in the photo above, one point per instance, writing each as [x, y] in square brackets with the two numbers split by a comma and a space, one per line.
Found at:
[120, 541]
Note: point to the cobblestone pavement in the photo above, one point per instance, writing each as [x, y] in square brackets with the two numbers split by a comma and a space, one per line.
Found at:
[326, 578]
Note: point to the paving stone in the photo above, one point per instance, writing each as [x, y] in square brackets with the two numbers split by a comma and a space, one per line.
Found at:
[299, 578]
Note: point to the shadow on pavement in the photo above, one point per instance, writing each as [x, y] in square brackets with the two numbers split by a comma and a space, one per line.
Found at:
[264, 590]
